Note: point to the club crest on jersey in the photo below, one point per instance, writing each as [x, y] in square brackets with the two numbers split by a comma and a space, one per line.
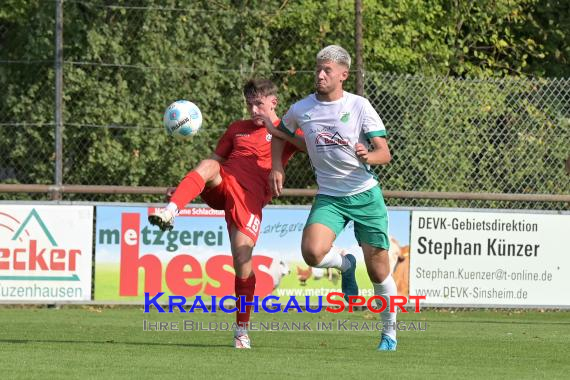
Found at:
[268, 137]
[306, 116]
[344, 117]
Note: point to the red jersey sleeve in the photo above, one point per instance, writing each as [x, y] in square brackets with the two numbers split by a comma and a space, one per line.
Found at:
[225, 143]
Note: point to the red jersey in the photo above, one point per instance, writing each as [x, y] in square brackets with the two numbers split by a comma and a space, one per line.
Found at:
[247, 150]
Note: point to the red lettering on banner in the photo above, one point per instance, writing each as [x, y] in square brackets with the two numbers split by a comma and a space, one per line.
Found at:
[215, 270]
[176, 275]
[179, 269]
[34, 259]
[72, 258]
[4, 258]
[130, 261]
[263, 281]
[21, 265]
[55, 260]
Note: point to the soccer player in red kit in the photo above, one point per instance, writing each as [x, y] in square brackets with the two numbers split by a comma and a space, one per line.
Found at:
[235, 179]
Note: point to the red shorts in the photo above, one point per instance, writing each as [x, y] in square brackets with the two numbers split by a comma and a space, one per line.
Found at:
[242, 208]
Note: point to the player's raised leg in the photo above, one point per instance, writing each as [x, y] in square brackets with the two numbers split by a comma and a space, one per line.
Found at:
[207, 173]
[378, 266]
[318, 251]
[242, 248]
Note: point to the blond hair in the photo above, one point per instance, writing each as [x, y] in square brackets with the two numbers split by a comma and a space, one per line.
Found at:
[334, 53]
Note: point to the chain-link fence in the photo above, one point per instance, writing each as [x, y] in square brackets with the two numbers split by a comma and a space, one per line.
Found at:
[125, 61]
[484, 136]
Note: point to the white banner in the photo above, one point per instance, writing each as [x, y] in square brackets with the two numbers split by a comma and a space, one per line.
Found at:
[45, 252]
[486, 258]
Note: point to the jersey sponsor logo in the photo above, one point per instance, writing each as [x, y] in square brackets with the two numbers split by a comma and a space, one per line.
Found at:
[328, 140]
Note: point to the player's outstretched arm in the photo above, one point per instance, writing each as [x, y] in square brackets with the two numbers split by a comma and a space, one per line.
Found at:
[380, 155]
[297, 141]
[277, 175]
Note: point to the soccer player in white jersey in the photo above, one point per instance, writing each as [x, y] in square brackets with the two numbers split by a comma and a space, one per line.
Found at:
[344, 136]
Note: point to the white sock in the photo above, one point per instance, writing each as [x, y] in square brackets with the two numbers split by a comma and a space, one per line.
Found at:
[334, 259]
[172, 208]
[386, 289]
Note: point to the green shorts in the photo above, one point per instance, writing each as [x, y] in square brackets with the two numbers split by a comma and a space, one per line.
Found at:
[367, 210]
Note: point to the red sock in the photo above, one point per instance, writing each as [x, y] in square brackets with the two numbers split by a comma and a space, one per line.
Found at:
[244, 287]
[188, 189]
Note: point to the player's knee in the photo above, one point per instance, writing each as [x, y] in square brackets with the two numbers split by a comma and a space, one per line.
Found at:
[241, 260]
[312, 254]
[374, 277]
[378, 273]
[310, 259]
[208, 168]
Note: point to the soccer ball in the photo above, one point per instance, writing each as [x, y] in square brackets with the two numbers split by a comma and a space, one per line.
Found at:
[182, 119]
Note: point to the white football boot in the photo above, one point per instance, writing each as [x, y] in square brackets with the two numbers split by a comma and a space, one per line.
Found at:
[162, 218]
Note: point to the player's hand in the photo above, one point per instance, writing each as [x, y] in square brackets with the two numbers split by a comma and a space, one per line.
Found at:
[169, 192]
[261, 118]
[271, 129]
[276, 179]
[361, 152]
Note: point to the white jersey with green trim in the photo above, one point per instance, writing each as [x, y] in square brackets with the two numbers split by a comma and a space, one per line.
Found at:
[331, 131]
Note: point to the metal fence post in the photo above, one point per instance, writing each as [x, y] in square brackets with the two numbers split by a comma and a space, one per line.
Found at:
[358, 47]
[58, 99]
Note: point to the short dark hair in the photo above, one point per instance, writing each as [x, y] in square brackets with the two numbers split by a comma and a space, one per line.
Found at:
[259, 87]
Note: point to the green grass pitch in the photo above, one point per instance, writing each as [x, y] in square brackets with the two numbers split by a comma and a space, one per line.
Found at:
[93, 342]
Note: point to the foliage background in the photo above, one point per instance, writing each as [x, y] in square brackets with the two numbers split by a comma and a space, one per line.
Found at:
[473, 94]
